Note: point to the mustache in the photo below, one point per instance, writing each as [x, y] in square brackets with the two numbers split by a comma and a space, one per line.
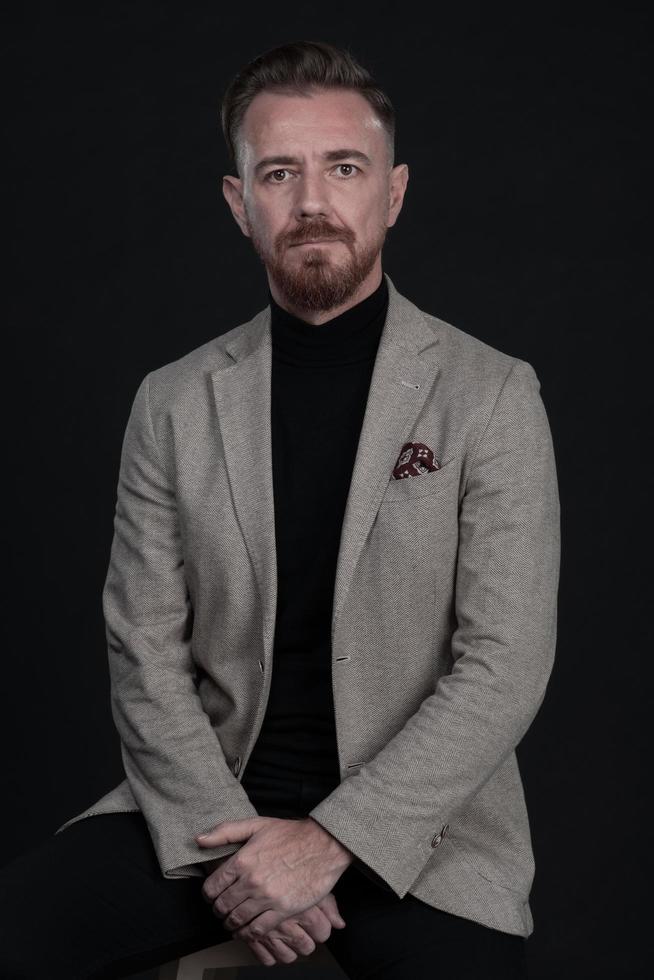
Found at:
[313, 232]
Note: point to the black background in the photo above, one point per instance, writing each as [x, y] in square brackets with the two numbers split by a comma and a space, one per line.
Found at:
[523, 224]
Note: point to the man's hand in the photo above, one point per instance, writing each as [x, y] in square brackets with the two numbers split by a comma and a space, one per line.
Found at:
[285, 868]
[297, 934]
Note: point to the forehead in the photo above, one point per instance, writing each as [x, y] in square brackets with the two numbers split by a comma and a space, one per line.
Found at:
[276, 122]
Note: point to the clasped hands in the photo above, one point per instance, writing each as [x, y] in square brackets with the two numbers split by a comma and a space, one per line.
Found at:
[285, 868]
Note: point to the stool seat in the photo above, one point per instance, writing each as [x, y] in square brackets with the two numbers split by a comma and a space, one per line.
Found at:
[230, 955]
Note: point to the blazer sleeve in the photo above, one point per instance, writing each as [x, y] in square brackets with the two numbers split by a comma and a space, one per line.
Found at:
[503, 645]
[173, 759]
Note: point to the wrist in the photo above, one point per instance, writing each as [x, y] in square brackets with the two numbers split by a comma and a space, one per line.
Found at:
[343, 856]
[347, 856]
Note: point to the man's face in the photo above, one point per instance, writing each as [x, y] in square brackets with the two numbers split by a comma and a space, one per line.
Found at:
[316, 167]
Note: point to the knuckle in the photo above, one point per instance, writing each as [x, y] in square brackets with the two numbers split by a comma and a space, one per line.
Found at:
[301, 938]
[283, 902]
[237, 864]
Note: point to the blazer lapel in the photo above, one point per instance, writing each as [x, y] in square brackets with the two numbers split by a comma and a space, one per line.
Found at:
[242, 395]
[404, 372]
[401, 380]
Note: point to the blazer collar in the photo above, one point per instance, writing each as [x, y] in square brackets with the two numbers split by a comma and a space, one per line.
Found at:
[405, 370]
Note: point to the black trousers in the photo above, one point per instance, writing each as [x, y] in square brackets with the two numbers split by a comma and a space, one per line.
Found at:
[91, 902]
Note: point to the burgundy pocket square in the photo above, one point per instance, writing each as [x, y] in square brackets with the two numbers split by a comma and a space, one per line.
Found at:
[415, 458]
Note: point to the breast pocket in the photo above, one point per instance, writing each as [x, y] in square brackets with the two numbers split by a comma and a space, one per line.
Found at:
[410, 554]
[423, 485]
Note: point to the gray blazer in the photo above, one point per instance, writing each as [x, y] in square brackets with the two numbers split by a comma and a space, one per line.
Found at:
[444, 610]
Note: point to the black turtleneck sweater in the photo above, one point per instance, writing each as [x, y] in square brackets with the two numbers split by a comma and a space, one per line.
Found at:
[319, 390]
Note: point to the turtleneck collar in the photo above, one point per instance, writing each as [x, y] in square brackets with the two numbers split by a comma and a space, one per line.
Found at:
[345, 339]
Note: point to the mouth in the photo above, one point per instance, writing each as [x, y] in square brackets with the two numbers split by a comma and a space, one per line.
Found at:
[317, 241]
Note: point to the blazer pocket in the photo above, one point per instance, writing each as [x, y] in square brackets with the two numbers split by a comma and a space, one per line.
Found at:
[423, 485]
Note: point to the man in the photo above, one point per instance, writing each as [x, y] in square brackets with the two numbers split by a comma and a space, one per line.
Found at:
[364, 496]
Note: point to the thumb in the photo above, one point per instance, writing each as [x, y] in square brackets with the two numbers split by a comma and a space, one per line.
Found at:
[229, 832]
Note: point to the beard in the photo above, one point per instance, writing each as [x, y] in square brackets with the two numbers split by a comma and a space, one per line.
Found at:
[317, 283]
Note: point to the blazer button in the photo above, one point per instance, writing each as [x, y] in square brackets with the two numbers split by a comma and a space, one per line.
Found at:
[439, 837]
[237, 765]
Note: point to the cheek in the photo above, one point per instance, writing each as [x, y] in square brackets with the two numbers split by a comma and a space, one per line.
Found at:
[266, 232]
[267, 217]
[371, 219]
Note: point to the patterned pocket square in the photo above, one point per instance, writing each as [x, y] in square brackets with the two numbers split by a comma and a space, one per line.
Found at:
[415, 458]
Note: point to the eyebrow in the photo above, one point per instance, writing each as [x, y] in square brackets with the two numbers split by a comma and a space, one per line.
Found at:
[330, 155]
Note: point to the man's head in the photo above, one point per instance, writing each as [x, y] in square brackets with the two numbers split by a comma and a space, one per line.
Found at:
[312, 139]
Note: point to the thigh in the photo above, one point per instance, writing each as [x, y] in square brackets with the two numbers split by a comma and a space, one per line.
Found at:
[388, 938]
[91, 902]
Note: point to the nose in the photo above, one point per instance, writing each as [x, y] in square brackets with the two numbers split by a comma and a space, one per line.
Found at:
[311, 196]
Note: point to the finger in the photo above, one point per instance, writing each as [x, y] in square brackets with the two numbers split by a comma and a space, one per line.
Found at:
[229, 832]
[330, 908]
[279, 949]
[316, 924]
[295, 936]
[263, 955]
[240, 915]
[261, 925]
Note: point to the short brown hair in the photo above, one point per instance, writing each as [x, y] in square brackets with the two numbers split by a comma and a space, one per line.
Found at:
[297, 67]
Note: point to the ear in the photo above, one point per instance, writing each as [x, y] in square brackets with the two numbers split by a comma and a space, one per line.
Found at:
[233, 193]
[398, 180]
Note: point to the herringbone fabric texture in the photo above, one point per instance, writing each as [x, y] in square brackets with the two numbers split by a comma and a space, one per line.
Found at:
[444, 613]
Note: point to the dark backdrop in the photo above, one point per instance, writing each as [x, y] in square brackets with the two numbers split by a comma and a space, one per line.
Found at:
[520, 225]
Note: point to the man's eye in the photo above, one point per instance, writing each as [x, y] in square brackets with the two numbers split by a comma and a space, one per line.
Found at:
[350, 165]
[272, 175]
